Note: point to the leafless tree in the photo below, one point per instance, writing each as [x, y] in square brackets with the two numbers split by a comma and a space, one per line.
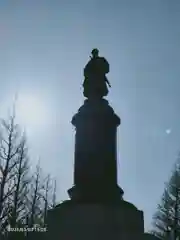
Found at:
[49, 196]
[34, 203]
[21, 181]
[54, 195]
[25, 196]
[10, 147]
[47, 189]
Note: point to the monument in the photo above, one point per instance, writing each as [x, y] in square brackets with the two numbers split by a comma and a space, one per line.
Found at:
[96, 209]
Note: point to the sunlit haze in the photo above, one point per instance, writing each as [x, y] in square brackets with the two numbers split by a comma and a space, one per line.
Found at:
[31, 112]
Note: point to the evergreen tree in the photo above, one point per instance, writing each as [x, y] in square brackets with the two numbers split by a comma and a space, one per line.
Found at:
[166, 220]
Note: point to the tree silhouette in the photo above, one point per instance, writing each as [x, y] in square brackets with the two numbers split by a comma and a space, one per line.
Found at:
[10, 151]
[166, 220]
[25, 196]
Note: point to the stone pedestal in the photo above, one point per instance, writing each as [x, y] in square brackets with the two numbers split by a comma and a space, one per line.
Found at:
[96, 209]
[95, 165]
[77, 221]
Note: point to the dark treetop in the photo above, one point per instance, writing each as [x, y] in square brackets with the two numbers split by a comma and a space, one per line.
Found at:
[95, 81]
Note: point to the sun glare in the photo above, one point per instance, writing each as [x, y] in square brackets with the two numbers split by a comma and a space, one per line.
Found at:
[168, 131]
[30, 111]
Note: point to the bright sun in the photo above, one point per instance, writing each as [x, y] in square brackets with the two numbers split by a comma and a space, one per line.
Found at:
[30, 111]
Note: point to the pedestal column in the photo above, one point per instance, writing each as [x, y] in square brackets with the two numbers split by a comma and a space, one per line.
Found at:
[95, 170]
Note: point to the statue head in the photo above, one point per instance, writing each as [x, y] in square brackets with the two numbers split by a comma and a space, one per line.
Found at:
[95, 52]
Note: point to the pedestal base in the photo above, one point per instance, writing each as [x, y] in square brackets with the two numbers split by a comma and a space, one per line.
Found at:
[95, 194]
[71, 220]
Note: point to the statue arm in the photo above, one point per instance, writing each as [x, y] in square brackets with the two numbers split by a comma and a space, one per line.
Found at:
[106, 65]
[108, 82]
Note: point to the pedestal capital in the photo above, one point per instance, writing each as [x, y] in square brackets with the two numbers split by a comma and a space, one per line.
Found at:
[96, 111]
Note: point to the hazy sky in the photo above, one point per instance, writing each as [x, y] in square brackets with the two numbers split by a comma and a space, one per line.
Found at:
[44, 46]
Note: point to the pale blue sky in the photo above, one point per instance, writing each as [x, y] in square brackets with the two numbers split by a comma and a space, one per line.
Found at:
[44, 46]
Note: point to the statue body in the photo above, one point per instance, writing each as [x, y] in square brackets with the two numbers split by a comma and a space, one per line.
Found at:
[95, 82]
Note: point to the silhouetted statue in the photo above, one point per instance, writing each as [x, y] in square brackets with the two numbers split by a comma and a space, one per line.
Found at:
[95, 82]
